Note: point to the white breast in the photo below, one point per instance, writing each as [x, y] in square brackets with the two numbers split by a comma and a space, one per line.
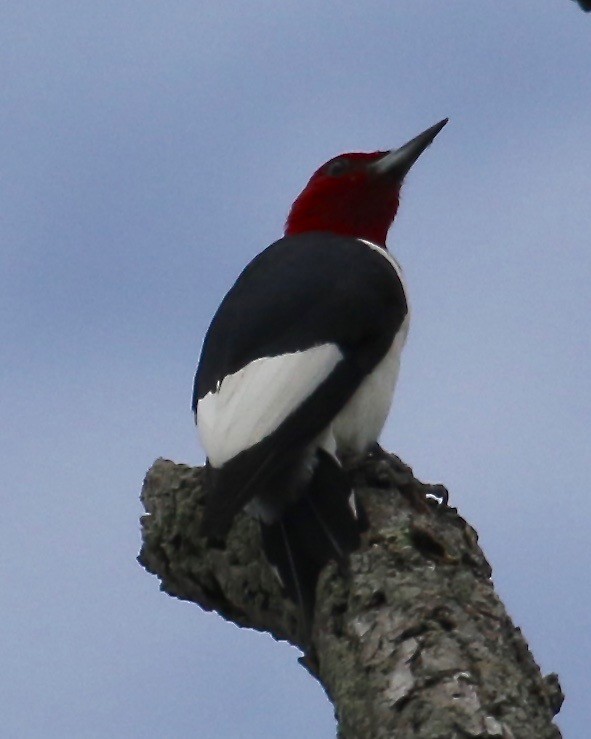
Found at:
[361, 421]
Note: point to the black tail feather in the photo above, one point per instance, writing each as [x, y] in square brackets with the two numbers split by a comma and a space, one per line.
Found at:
[298, 573]
[322, 525]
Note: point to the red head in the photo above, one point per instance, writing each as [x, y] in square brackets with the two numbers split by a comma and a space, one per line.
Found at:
[357, 194]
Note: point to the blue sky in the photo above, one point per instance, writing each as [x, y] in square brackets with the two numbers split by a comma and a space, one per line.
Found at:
[150, 151]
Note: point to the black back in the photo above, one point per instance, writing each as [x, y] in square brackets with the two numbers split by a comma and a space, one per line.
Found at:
[302, 291]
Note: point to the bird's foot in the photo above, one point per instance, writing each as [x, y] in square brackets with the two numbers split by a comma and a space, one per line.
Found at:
[389, 471]
[437, 493]
[383, 469]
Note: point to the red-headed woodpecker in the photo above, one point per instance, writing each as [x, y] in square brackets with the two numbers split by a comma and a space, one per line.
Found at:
[299, 365]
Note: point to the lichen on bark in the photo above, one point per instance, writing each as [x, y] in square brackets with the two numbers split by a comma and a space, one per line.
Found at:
[411, 642]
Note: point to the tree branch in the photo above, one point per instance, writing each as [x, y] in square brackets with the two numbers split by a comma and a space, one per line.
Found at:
[412, 642]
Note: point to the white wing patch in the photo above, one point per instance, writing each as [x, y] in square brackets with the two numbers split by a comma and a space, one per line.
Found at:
[250, 404]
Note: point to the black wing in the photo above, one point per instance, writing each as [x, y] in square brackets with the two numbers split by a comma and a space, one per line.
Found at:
[300, 292]
[303, 291]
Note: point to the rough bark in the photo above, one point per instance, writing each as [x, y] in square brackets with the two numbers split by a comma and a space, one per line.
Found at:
[412, 642]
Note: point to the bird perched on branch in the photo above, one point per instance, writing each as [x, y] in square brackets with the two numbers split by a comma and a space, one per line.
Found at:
[299, 365]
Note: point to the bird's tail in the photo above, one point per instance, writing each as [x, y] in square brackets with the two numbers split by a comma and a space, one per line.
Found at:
[324, 524]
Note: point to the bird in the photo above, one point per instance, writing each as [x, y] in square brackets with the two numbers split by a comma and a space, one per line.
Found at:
[298, 369]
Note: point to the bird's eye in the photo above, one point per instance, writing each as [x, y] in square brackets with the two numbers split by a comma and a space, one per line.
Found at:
[338, 167]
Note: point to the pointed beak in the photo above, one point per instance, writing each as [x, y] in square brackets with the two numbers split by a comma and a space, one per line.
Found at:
[396, 163]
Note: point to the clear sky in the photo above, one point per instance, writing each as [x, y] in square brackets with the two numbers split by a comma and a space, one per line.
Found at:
[149, 150]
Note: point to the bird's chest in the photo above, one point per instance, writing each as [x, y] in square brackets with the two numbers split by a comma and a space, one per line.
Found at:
[362, 419]
[360, 422]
